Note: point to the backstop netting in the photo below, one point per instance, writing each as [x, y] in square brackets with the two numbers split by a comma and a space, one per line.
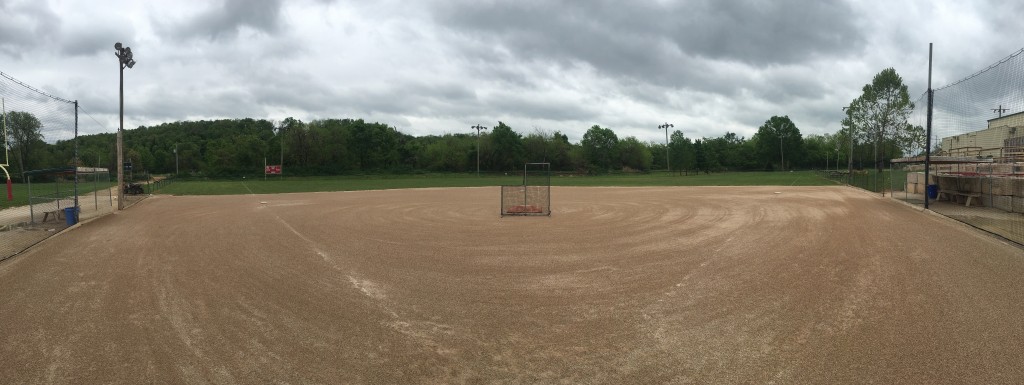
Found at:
[38, 131]
[976, 172]
[533, 197]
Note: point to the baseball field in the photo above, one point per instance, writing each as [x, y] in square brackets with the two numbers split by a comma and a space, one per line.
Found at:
[620, 285]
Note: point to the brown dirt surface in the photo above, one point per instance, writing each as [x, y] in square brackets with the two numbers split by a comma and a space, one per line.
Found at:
[617, 286]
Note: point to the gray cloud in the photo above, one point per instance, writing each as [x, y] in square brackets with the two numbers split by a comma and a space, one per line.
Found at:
[25, 25]
[228, 19]
[437, 66]
[89, 41]
[672, 44]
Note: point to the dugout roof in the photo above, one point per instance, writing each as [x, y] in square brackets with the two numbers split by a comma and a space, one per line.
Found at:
[944, 160]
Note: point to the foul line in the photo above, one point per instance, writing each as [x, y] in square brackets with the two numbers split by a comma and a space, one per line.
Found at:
[247, 188]
[795, 180]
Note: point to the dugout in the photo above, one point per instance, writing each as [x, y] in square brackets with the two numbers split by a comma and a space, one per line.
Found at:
[52, 190]
[965, 180]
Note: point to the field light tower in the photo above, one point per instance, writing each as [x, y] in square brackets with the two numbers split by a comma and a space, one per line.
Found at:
[782, 155]
[478, 128]
[666, 126]
[125, 60]
[849, 171]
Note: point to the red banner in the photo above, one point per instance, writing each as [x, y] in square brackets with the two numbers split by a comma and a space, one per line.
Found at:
[272, 169]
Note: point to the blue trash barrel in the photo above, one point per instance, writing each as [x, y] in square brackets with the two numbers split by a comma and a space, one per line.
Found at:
[933, 191]
[70, 215]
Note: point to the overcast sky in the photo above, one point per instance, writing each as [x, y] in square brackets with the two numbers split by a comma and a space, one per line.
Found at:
[436, 67]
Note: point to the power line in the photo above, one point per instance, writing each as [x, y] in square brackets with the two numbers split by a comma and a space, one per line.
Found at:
[90, 116]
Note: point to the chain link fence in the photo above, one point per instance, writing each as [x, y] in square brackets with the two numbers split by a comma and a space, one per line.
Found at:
[976, 171]
[39, 134]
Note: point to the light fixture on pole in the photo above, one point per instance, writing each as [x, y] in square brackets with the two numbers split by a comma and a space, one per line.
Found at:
[125, 60]
[478, 128]
[666, 126]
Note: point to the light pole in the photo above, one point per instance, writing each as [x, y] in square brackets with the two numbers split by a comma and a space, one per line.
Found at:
[849, 171]
[782, 156]
[666, 126]
[124, 58]
[837, 156]
[478, 128]
[175, 159]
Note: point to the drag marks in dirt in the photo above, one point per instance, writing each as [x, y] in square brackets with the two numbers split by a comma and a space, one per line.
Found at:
[618, 285]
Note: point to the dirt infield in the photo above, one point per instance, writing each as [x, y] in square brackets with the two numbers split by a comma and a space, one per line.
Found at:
[619, 285]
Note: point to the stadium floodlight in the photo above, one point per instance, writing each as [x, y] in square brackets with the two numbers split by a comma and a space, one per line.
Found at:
[125, 60]
[666, 126]
[478, 128]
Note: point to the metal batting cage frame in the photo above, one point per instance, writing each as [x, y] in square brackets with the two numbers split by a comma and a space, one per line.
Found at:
[533, 197]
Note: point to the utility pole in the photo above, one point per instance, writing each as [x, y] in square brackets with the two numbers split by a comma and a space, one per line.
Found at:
[778, 130]
[668, 164]
[849, 171]
[281, 174]
[928, 130]
[175, 159]
[1000, 110]
[782, 156]
[837, 155]
[478, 128]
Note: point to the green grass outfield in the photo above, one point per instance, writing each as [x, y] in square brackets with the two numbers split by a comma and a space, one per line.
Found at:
[381, 182]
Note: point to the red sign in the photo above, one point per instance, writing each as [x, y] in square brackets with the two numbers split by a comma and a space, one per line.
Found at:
[273, 169]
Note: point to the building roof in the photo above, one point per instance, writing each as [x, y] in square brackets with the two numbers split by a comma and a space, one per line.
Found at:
[944, 160]
[1005, 116]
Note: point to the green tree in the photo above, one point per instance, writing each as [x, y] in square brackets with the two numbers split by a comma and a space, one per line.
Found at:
[912, 141]
[779, 139]
[559, 150]
[26, 138]
[454, 153]
[880, 114]
[508, 148]
[297, 144]
[544, 146]
[536, 146]
[732, 156]
[700, 156]
[599, 146]
[375, 145]
[634, 154]
[657, 153]
[682, 157]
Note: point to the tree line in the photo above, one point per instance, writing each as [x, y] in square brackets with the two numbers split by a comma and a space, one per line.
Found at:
[233, 147]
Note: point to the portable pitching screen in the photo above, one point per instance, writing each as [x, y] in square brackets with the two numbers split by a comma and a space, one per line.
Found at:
[533, 197]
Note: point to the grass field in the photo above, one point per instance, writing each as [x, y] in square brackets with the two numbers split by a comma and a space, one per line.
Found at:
[354, 183]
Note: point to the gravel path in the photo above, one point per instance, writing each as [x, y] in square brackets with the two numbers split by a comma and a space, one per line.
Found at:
[618, 286]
